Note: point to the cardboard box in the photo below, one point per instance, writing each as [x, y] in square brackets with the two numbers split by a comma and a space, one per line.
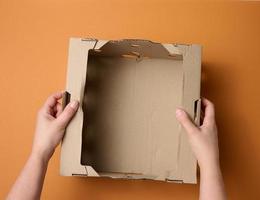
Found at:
[125, 126]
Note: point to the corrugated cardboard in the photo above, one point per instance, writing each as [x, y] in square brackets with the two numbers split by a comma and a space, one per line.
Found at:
[125, 126]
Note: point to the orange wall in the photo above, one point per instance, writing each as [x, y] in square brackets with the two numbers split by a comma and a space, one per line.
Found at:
[33, 59]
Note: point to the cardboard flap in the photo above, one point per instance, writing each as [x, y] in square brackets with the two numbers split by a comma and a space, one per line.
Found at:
[90, 171]
[136, 48]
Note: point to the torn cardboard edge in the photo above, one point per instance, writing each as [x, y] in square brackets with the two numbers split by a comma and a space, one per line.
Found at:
[79, 50]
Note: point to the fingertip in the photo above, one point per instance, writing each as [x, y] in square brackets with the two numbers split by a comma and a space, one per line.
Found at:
[74, 104]
[52, 99]
[58, 95]
[71, 108]
[67, 114]
[179, 112]
[185, 120]
[58, 109]
[206, 102]
[209, 106]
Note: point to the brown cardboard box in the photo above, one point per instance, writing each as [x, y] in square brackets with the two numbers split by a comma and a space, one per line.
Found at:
[125, 126]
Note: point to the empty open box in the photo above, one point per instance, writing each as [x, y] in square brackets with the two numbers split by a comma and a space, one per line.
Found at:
[125, 126]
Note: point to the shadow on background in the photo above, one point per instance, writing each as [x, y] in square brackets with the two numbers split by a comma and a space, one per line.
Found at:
[233, 126]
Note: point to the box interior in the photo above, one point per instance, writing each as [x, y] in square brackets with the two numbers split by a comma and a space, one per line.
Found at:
[131, 94]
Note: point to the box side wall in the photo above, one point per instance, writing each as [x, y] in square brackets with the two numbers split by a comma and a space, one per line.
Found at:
[192, 67]
[76, 75]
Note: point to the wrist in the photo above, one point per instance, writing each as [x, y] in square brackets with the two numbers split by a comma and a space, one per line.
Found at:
[210, 167]
[41, 155]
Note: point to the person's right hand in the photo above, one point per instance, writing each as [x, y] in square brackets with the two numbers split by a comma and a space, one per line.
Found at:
[203, 139]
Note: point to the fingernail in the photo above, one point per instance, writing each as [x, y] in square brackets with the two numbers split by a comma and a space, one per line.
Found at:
[179, 112]
[74, 104]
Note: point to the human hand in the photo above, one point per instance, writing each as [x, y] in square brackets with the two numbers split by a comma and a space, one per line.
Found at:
[203, 139]
[51, 124]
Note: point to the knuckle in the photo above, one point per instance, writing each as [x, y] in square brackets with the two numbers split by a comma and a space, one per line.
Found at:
[40, 112]
[212, 105]
[52, 94]
[48, 99]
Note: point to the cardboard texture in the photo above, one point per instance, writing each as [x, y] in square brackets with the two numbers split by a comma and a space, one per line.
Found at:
[125, 126]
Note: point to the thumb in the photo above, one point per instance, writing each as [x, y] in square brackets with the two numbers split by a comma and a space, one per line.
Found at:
[67, 114]
[185, 121]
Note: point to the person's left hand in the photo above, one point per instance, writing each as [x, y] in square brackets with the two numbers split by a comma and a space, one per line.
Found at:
[51, 124]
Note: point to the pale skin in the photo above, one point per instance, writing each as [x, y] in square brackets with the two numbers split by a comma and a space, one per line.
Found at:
[52, 122]
[204, 143]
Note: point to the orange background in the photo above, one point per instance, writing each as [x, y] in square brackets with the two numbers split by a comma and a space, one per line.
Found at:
[33, 60]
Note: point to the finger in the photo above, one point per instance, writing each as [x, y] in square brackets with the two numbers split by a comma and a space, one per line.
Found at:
[185, 121]
[58, 109]
[51, 102]
[67, 114]
[209, 112]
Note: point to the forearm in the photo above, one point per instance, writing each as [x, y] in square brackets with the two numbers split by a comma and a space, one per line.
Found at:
[211, 183]
[28, 185]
